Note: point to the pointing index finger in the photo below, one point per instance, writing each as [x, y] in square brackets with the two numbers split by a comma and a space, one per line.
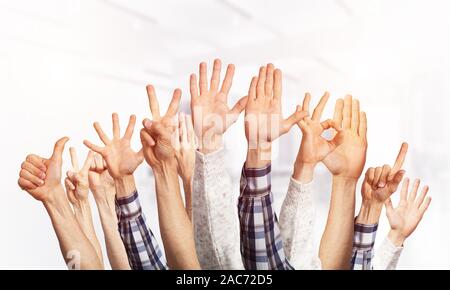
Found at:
[399, 160]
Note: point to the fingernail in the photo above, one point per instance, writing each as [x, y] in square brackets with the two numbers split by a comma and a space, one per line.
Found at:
[381, 184]
[42, 175]
[41, 182]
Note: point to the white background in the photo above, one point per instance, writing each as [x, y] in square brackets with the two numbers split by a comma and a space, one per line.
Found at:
[65, 64]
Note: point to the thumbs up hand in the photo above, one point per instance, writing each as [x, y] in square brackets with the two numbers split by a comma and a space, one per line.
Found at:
[41, 177]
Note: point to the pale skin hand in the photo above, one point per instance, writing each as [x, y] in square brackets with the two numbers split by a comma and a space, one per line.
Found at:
[159, 152]
[121, 160]
[405, 218]
[100, 181]
[42, 180]
[349, 156]
[314, 147]
[264, 122]
[185, 154]
[77, 189]
[346, 163]
[211, 114]
[104, 191]
[379, 184]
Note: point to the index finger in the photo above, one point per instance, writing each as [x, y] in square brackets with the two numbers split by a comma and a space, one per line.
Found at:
[74, 158]
[400, 159]
[153, 102]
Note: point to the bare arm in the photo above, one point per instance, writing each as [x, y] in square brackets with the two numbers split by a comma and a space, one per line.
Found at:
[103, 189]
[346, 163]
[41, 178]
[158, 148]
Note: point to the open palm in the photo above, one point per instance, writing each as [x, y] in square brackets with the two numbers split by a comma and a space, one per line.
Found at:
[264, 121]
[121, 160]
[405, 218]
[209, 106]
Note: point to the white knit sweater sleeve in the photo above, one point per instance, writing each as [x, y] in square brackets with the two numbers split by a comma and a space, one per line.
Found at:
[297, 225]
[387, 255]
[215, 218]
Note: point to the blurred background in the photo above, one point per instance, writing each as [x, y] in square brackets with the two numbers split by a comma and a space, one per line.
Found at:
[67, 63]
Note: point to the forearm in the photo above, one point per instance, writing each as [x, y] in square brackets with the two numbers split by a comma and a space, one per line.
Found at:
[297, 221]
[337, 240]
[76, 249]
[140, 244]
[388, 254]
[216, 225]
[176, 229]
[261, 241]
[115, 248]
[188, 187]
[83, 215]
[369, 213]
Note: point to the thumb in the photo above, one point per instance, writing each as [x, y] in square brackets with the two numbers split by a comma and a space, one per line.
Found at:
[330, 124]
[389, 206]
[59, 149]
[236, 111]
[292, 120]
[140, 155]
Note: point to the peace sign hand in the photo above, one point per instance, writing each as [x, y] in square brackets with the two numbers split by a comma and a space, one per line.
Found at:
[158, 135]
[77, 180]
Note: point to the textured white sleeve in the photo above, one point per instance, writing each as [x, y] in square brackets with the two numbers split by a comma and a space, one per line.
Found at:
[387, 255]
[215, 218]
[297, 225]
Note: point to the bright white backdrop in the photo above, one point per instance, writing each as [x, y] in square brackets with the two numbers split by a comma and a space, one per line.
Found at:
[67, 63]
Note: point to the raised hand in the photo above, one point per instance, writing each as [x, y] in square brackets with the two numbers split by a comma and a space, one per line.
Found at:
[378, 185]
[185, 146]
[100, 181]
[41, 177]
[120, 158]
[263, 118]
[381, 182]
[77, 181]
[349, 155]
[77, 189]
[211, 114]
[158, 136]
[159, 140]
[314, 147]
[405, 218]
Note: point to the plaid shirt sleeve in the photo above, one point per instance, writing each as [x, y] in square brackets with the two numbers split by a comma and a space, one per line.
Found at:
[363, 242]
[261, 243]
[141, 246]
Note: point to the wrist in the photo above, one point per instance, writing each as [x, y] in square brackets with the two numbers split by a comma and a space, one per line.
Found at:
[58, 205]
[125, 186]
[303, 172]
[369, 213]
[165, 169]
[210, 144]
[396, 238]
[82, 208]
[258, 158]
